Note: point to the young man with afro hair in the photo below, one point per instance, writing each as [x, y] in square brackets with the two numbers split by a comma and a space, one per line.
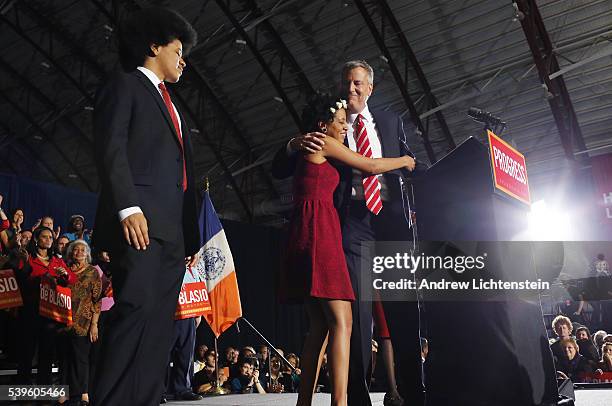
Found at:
[147, 214]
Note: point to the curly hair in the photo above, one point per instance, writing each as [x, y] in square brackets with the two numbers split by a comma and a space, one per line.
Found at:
[71, 247]
[562, 320]
[152, 25]
[318, 110]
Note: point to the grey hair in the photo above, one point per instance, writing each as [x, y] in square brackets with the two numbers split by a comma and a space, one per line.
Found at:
[74, 244]
[359, 63]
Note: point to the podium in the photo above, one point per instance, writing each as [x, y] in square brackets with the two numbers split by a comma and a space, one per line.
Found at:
[481, 352]
[457, 199]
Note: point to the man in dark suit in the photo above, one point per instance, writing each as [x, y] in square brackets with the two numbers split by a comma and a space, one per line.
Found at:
[360, 223]
[147, 214]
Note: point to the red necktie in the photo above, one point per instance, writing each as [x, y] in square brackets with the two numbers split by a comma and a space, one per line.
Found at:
[371, 184]
[177, 127]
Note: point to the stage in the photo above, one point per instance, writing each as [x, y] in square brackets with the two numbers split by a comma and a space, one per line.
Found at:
[584, 397]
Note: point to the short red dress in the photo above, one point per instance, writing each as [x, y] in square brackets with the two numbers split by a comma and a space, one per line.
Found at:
[315, 265]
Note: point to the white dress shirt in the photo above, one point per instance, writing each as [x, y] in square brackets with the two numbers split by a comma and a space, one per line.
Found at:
[124, 213]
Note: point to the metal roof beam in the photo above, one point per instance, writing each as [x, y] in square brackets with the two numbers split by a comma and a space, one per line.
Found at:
[48, 54]
[206, 88]
[38, 128]
[401, 82]
[416, 66]
[546, 62]
[286, 59]
[43, 98]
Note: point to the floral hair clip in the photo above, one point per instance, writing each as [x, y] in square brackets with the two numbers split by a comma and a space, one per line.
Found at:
[341, 104]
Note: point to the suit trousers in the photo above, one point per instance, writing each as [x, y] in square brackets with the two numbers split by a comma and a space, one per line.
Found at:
[402, 317]
[356, 228]
[138, 329]
[181, 355]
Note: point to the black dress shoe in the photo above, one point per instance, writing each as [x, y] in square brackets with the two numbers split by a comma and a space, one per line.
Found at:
[163, 400]
[391, 400]
[189, 396]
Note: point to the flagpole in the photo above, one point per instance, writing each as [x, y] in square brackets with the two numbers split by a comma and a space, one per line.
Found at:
[216, 389]
[267, 343]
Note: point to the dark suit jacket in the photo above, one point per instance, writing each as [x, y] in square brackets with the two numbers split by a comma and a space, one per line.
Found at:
[393, 138]
[140, 163]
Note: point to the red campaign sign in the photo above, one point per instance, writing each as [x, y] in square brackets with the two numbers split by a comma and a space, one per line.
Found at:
[509, 169]
[55, 302]
[192, 301]
[602, 179]
[605, 377]
[10, 296]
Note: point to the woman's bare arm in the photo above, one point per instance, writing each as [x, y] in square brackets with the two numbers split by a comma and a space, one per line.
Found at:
[338, 151]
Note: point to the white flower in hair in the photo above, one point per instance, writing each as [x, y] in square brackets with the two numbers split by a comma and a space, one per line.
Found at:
[333, 110]
[339, 104]
[344, 105]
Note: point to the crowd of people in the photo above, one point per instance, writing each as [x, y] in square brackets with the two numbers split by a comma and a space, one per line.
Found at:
[43, 253]
[582, 356]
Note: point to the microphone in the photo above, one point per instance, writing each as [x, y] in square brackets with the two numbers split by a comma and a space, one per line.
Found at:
[484, 117]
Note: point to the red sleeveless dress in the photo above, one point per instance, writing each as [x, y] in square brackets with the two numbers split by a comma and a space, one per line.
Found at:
[315, 265]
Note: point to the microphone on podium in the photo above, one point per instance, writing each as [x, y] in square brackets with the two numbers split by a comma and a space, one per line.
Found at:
[487, 118]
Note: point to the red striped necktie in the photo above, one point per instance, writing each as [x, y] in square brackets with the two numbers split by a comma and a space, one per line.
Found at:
[177, 127]
[371, 184]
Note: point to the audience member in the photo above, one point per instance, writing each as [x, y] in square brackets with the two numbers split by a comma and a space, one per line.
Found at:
[271, 378]
[47, 221]
[61, 246]
[586, 347]
[206, 377]
[563, 328]
[248, 379]
[291, 378]
[76, 229]
[16, 220]
[199, 358]
[262, 356]
[24, 238]
[86, 294]
[231, 357]
[598, 338]
[32, 265]
[605, 363]
[572, 365]
[5, 224]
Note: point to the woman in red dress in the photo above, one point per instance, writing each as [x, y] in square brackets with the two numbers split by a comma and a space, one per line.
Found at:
[316, 266]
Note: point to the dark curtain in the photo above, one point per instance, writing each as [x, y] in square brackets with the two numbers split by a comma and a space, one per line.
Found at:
[257, 252]
[39, 198]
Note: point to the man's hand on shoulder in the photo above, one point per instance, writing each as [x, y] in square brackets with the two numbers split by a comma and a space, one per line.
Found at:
[310, 142]
[136, 231]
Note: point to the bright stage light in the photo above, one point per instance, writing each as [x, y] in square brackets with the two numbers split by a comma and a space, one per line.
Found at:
[546, 223]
